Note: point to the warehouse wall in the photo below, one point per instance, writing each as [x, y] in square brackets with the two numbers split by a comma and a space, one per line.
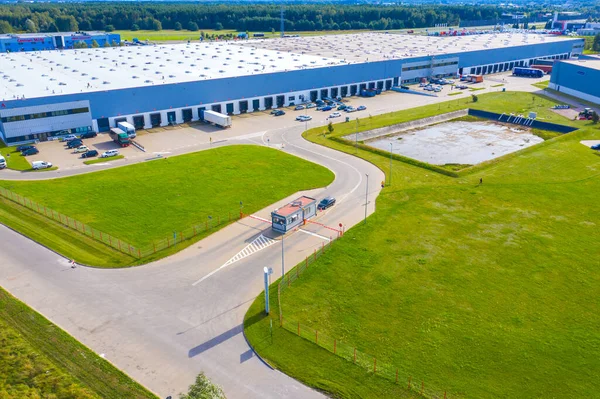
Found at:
[579, 80]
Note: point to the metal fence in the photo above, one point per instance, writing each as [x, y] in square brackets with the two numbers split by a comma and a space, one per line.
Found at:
[346, 351]
[116, 243]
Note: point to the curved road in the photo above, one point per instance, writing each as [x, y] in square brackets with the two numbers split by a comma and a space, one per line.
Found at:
[164, 322]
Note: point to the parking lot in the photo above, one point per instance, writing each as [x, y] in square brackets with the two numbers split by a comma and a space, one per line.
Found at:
[255, 127]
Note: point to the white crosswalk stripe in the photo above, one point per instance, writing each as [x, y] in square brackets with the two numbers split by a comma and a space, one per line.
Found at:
[260, 242]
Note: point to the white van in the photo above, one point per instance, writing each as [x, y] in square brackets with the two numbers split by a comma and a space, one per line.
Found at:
[2, 162]
[127, 128]
[40, 165]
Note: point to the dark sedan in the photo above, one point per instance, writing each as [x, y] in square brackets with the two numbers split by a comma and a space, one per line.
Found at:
[325, 203]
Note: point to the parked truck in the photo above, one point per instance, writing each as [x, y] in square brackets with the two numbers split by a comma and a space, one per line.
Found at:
[119, 137]
[218, 119]
[127, 128]
[528, 72]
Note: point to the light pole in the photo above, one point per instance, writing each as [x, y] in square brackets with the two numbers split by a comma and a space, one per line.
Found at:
[391, 152]
[282, 259]
[241, 207]
[366, 197]
[267, 273]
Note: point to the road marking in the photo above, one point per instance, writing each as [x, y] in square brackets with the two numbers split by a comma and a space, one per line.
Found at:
[259, 218]
[261, 242]
[315, 235]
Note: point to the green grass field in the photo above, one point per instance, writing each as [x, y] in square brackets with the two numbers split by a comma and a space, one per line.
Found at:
[541, 85]
[148, 201]
[39, 360]
[167, 35]
[14, 159]
[483, 291]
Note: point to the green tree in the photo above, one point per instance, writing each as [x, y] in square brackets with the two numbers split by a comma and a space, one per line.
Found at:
[95, 44]
[596, 43]
[272, 31]
[156, 25]
[52, 27]
[330, 127]
[5, 27]
[135, 27]
[66, 23]
[178, 26]
[30, 26]
[203, 389]
[109, 28]
[595, 117]
[192, 26]
[218, 26]
[474, 98]
[106, 44]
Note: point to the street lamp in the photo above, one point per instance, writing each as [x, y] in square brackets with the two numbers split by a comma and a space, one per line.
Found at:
[267, 272]
[366, 197]
[282, 259]
[391, 152]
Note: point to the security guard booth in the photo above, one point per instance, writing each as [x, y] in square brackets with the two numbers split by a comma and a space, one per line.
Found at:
[293, 214]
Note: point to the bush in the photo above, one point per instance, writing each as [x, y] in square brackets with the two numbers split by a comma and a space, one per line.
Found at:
[595, 117]
[330, 127]
[203, 389]
[135, 27]
[192, 26]
[109, 28]
[474, 98]
[178, 26]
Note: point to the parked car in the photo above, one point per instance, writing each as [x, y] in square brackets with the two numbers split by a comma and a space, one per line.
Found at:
[89, 135]
[327, 108]
[74, 143]
[311, 105]
[89, 154]
[361, 108]
[437, 89]
[279, 112]
[303, 118]
[30, 151]
[335, 115]
[24, 147]
[68, 137]
[2, 162]
[109, 153]
[81, 149]
[325, 203]
[342, 107]
[36, 165]
[299, 107]
[350, 109]
[595, 147]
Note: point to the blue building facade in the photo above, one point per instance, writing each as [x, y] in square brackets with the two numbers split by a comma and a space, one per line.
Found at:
[158, 105]
[55, 41]
[579, 78]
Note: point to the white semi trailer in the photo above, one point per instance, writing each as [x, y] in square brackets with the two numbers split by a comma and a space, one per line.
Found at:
[218, 119]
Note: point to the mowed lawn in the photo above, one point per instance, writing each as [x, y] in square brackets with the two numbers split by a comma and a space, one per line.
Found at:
[150, 201]
[39, 360]
[483, 291]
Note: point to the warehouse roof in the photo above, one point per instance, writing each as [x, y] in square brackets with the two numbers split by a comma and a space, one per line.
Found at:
[587, 63]
[40, 74]
[366, 47]
[29, 35]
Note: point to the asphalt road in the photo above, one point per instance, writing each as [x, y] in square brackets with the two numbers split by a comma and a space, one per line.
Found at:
[165, 322]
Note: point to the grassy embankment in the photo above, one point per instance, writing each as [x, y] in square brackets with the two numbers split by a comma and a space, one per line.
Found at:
[146, 202]
[482, 290]
[14, 159]
[39, 360]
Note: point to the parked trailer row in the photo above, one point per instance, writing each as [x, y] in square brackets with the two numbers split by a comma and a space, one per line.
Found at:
[528, 72]
[217, 118]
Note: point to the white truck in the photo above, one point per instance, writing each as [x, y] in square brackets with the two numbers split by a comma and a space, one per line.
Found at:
[2, 162]
[218, 119]
[127, 128]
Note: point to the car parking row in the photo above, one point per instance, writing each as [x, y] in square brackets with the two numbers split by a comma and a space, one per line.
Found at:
[75, 143]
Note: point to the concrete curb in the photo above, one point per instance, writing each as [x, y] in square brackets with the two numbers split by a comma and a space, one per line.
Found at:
[254, 351]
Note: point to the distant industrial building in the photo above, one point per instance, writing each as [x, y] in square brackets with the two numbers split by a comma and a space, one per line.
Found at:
[590, 29]
[578, 78]
[45, 94]
[55, 41]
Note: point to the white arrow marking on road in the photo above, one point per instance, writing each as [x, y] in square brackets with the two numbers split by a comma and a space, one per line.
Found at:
[261, 242]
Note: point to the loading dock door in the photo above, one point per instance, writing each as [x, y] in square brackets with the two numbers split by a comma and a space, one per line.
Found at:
[155, 119]
[171, 117]
[216, 108]
[388, 84]
[103, 125]
[268, 102]
[334, 92]
[229, 108]
[344, 91]
[363, 86]
[117, 120]
[353, 90]
[243, 106]
[186, 114]
[255, 105]
[138, 121]
[324, 93]
[371, 85]
[314, 95]
[396, 80]
[280, 101]
[201, 113]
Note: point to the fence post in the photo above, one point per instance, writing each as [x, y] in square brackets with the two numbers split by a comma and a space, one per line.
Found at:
[45, 211]
[444, 394]
[317, 337]
[298, 328]
[120, 245]
[110, 240]
[354, 355]
[154, 244]
[334, 346]
[422, 387]
[182, 237]
[168, 242]
[218, 220]
[230, 216]
[306, 261]
[38, 207]
[297, 272]
[139, 254]
[374, 365]
[396, 376]
[315, 253]
[409, 379]
[288, 279]
[194, 232]
[100, 235]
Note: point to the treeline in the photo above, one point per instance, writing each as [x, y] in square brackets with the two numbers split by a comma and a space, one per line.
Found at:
[46, 17]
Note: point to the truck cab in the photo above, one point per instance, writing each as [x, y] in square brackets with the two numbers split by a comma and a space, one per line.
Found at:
[119, 137]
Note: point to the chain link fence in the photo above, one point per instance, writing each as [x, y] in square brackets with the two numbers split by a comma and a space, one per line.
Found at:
[116, 243]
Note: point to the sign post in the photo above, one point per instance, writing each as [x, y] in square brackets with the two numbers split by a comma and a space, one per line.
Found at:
[267, 273]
